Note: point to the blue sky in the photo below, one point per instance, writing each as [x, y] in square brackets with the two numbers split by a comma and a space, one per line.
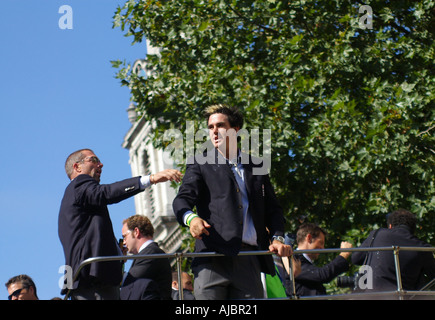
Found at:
[58, 93]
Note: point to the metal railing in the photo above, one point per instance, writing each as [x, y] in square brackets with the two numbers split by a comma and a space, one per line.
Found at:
[400, 292]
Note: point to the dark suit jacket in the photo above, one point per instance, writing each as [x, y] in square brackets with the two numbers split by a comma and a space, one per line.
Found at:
[311, 279]
[85, 229]
[417, 268]
[158, 270]
[213, 189]
[140, 289]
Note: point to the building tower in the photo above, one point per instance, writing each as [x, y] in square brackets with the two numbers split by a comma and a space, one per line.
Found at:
[155, 202]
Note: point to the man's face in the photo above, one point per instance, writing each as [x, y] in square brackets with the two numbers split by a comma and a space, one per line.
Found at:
[186, 280]
[90, 165]
[129, 240]
[316, 243]
[221, 133]
[16, 291]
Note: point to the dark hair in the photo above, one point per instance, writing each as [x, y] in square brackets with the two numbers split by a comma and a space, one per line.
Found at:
[308, 228]
[402, 217]
[142, 223]
[235, 117]
[25, 280]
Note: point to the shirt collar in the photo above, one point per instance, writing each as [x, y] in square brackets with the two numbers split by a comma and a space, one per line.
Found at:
[145, 244]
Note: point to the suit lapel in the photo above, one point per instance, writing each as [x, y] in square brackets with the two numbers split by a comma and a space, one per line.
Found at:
[247, 168]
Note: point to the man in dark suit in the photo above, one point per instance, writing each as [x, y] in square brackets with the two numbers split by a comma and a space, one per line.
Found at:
[138, 233]
[236, 210]
[84, 226]
[309, 282]
[186, 284]
[416, 267]
[140, 289]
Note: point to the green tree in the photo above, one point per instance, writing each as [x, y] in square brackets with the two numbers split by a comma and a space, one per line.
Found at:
[348, 96]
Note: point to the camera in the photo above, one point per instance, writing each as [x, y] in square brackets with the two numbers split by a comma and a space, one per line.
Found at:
[349, 281]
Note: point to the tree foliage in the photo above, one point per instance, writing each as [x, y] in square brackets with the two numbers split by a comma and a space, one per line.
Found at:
[351, 109]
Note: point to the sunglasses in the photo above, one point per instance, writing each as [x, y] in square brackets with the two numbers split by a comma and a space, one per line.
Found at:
[16, 293]
[92, 159]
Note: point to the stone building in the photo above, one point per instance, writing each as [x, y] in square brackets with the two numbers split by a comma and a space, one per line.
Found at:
[155, 202]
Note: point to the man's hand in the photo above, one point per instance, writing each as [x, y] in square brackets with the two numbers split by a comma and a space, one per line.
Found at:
[345, 245]
[166, 175]
[281, 249]
[198, 227]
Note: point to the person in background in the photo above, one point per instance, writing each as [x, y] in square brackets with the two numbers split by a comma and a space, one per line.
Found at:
[138, 233]
[21, 287]
[416, 267]
[310, 280]
[187, 285]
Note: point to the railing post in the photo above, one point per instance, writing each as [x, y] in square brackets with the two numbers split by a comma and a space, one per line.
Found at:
[292, 277]
[398, 273]
[178, 258]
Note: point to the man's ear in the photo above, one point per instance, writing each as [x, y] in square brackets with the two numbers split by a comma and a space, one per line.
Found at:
[309, 238]
[136, 232]
[175, 284]
[76, 167]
